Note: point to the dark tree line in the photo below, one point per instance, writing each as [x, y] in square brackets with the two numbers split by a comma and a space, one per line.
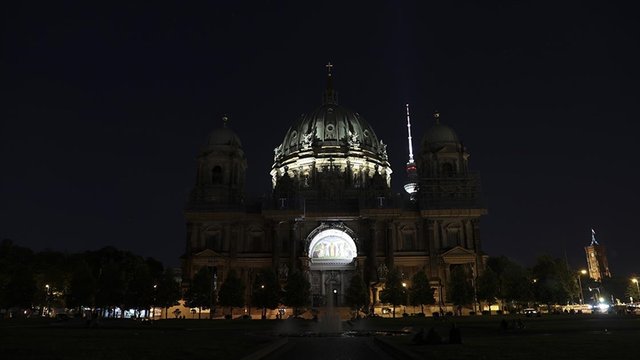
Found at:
[110, 278]
[102, 279]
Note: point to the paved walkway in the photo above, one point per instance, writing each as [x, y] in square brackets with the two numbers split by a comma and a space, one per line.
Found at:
[329, 348]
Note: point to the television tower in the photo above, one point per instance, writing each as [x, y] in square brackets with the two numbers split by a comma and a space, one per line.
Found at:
[411, 187]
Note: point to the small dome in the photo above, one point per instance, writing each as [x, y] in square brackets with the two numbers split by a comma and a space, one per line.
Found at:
[223, 136]
[440, 134]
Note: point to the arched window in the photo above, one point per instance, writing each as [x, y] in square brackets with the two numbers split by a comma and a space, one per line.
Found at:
[216, 175]
[213, 241]
[453, 236]
[447, 169]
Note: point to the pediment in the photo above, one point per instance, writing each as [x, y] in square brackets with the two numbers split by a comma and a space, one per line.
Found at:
[207, 253]
[458, 253]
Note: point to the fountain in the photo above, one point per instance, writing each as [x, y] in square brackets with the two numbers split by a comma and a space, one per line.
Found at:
[329, 324]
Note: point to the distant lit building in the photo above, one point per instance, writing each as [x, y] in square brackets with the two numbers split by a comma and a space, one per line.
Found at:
[597, 259]
[332, 211]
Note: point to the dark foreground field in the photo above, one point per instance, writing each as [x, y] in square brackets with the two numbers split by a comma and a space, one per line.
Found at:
[577, 337]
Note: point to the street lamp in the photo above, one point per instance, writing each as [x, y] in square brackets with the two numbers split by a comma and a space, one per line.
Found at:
[263, 316]
[47, 298]
[635, 281]
[593, 296]
[582, 272]
[153, 306]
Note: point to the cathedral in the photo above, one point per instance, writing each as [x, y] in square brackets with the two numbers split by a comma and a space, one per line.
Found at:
[331, 212]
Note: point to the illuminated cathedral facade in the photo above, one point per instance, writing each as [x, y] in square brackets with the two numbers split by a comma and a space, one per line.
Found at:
[332, 212]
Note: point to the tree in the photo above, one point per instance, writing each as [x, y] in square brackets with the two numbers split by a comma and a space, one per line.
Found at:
[633, 292]
[111, 285]
[200, 293]
[266, 291]
[554, 283]
[514, 281]
[421, 291]
[232, 291]
[51, 271]
[139, 289]
[297, 291]
[460, 290]
[17, 283]
[394, 293]
[168, 291]
[82, 287]
[487, 286]
[615, 287]
[357, 295]
[20, 289]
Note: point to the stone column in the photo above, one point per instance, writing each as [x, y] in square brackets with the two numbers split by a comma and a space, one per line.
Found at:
[295, 231]
[391, 242]
[276, 243]
[476, 235]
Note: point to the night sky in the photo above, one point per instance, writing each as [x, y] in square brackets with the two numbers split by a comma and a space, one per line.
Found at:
[104, 108]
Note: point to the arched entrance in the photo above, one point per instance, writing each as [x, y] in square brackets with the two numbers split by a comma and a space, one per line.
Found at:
[331, 251]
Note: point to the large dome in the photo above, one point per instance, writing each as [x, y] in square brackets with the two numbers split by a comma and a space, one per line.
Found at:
[333, 137]
[331, 126]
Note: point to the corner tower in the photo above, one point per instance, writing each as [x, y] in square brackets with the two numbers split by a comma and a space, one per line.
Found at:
[450, 202]
[221, 170]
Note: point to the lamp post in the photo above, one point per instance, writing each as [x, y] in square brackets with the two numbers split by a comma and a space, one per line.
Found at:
[635, 281]
[264, 303]
[404, 286]
[582, 272]
[47, 298]
[153, 306]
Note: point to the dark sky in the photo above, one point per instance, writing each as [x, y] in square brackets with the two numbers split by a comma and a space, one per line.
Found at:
[104, 108]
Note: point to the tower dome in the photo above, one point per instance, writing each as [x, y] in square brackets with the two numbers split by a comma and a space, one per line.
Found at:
[439, 135]
[223, 136]
[328, 138]
[221, 170]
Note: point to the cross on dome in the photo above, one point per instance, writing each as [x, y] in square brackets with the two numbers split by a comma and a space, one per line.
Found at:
[329, 66]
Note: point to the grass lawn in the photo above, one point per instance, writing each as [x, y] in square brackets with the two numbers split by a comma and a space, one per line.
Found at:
[577, 337]
[128, 339]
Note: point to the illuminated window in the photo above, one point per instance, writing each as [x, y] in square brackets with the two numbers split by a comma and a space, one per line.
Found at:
[332, 246]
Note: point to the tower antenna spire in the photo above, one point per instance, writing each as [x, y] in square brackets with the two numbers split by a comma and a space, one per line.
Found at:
[411, 186]
[593, 238]
[409, 131]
